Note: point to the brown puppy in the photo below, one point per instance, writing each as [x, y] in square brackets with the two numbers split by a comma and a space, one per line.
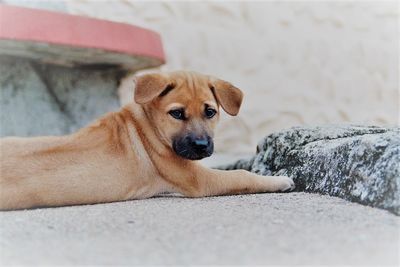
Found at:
[147, 148]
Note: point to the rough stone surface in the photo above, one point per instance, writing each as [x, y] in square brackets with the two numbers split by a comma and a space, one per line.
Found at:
[262, 229]
[356, 163]
[44, 99]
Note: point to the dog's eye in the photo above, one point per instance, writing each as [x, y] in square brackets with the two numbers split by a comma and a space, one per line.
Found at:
[209, 112]
[177, 114]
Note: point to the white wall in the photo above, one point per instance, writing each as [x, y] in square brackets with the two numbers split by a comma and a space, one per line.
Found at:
[299, 63]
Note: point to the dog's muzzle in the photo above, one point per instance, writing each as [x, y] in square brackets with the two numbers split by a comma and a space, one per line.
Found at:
[193, 147]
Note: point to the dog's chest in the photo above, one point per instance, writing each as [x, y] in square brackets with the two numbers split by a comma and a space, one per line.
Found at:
[146, 185]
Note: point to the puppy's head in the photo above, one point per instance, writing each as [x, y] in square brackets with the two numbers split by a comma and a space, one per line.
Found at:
[184, 108]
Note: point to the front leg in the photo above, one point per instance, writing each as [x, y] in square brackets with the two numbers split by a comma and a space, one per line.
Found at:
[209, 182]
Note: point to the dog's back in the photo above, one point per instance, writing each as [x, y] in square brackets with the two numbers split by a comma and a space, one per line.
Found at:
[42, 170]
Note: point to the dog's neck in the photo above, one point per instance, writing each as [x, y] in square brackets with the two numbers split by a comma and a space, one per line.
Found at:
[158, 150]
[143, 124]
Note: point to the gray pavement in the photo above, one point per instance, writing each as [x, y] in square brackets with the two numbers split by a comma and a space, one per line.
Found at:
[291, 228]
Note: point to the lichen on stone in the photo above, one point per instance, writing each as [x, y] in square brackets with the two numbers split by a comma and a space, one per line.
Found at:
[356, 163]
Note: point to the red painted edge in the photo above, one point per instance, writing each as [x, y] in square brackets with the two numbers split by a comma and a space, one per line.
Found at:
[26, 24]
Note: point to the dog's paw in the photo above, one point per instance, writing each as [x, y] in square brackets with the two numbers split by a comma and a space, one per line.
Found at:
[284, 184]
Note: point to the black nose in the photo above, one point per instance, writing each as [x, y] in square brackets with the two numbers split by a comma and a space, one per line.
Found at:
[193, 146]
[200, 144]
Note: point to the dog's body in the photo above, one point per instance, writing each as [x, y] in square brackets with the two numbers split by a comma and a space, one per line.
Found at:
[147, 148]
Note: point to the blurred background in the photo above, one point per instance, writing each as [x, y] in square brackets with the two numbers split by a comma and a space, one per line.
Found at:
[299, 63]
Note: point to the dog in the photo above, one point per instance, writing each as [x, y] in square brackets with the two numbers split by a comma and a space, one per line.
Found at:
[150, 146]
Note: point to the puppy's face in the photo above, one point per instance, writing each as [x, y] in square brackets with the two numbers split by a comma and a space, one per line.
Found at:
[184, 108]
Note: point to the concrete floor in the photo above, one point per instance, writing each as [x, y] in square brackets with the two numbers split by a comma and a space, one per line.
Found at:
[291, 228]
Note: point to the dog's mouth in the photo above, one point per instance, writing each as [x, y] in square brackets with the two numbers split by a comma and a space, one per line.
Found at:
[193, 149]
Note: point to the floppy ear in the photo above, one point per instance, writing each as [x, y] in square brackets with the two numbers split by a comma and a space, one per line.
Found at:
[228, 96]
[149, 86]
